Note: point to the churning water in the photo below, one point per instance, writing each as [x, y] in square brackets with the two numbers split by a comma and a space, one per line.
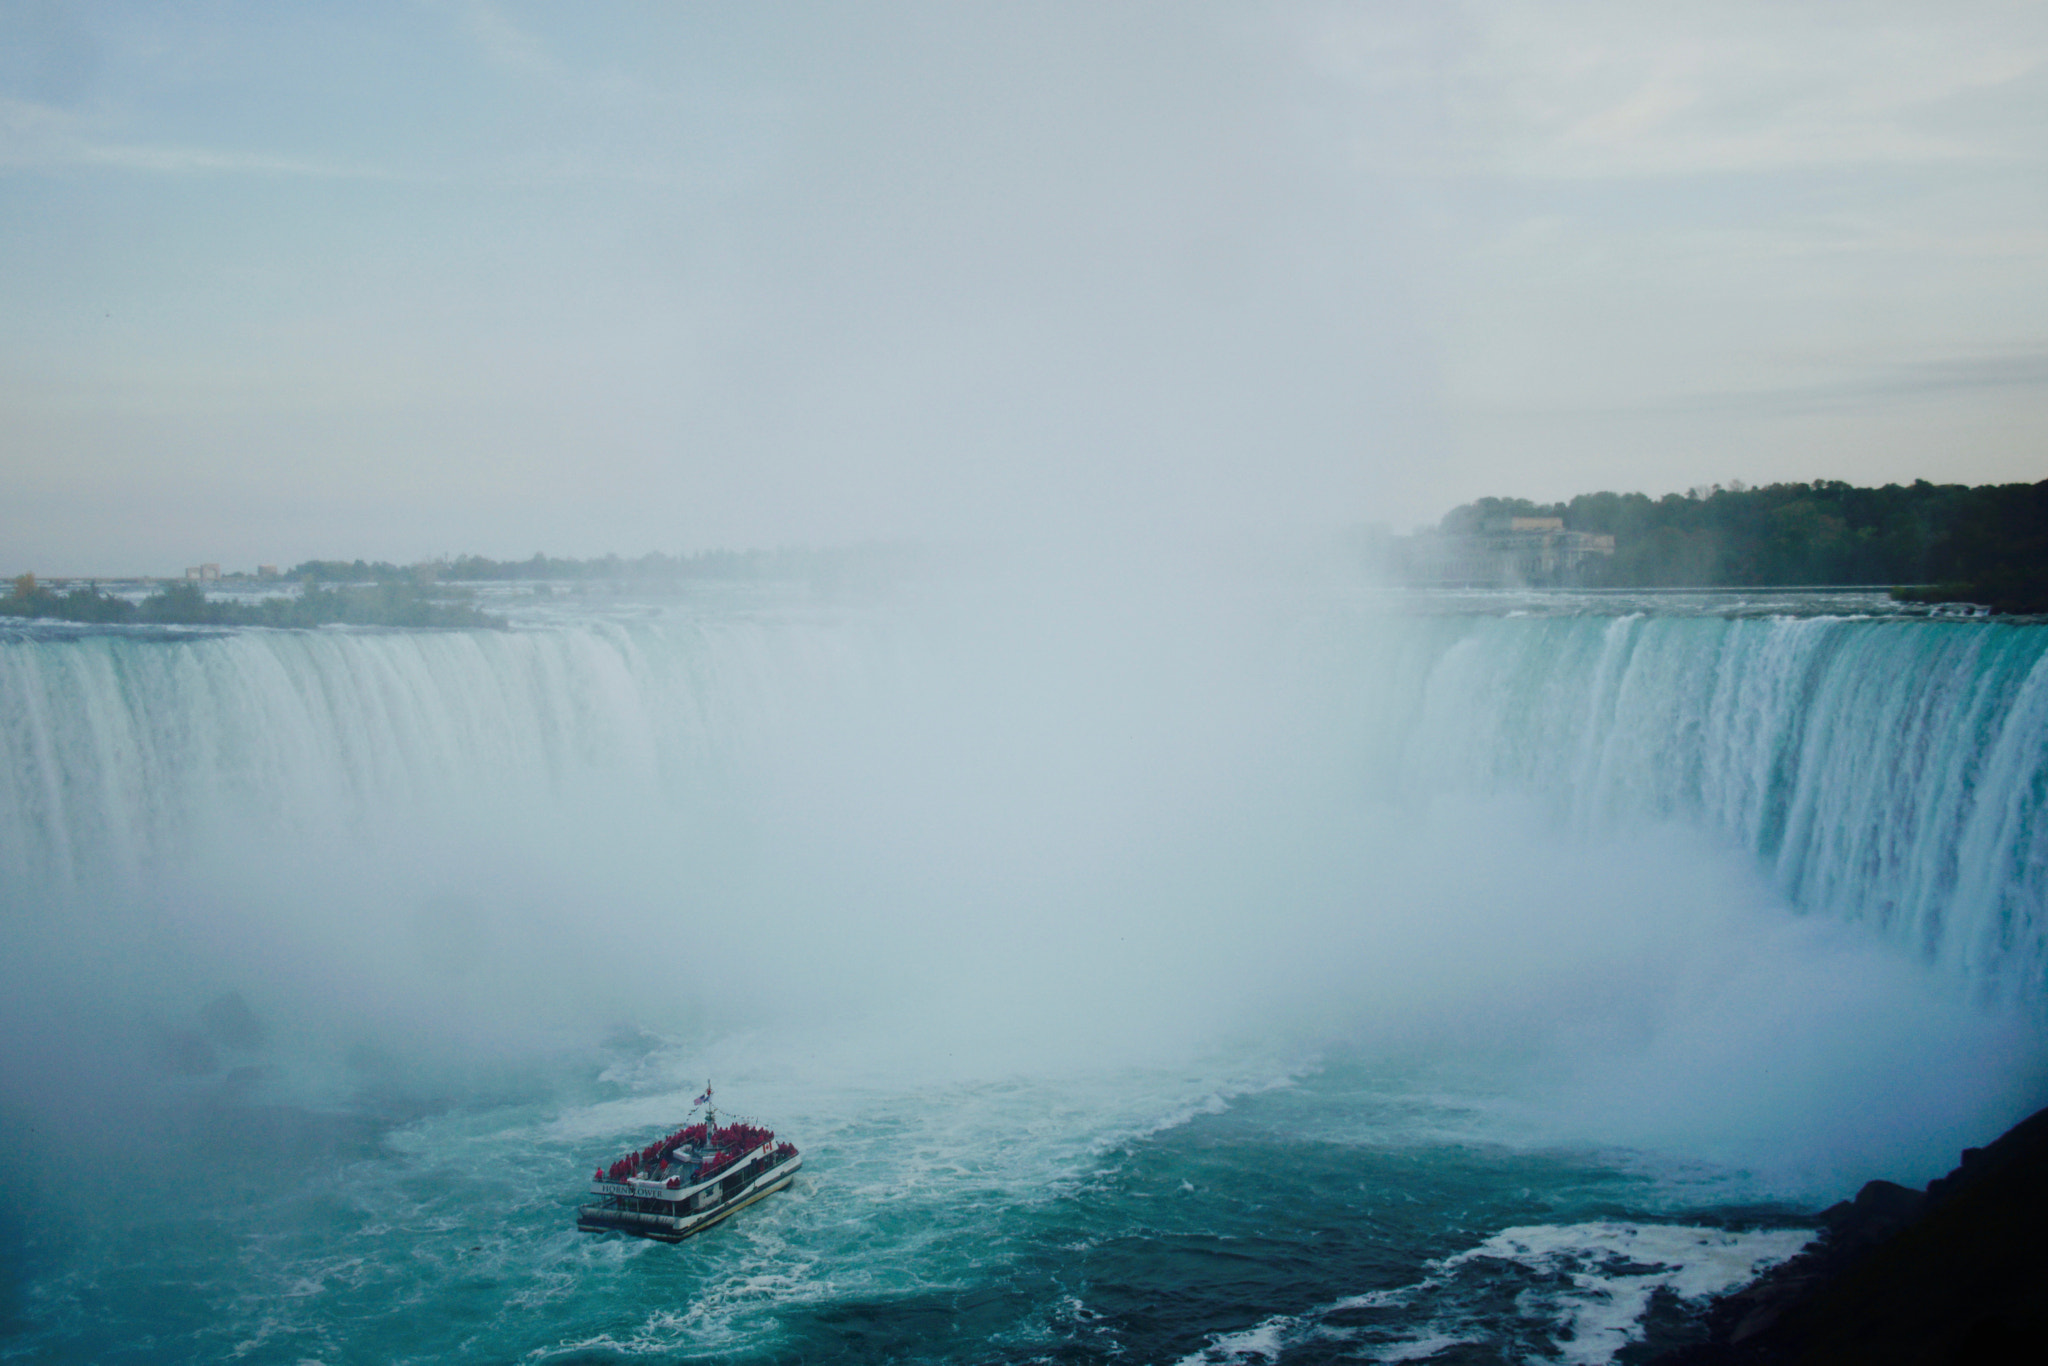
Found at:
[1239, 978]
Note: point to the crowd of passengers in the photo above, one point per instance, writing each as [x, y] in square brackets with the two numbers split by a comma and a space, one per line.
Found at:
[729, 1143]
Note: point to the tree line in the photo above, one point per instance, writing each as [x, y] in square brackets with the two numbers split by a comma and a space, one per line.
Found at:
[394, 603]
[379, 593]
[795, 564]
[1932, 542]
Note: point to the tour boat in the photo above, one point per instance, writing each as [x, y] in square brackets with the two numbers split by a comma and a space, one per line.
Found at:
[691, 1179]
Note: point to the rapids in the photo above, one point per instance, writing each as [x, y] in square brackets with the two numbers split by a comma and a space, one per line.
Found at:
[1245, 977]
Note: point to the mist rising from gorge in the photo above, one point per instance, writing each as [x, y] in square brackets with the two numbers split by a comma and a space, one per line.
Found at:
[1012, 829]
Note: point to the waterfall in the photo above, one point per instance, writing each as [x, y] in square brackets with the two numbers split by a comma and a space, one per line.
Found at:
[1034, 923]
[115, 750]
[1885, 771]
[1889, 772]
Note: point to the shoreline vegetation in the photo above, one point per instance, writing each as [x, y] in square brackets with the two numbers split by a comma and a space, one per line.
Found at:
[1986, 545]
[432, 593]
[186, 604]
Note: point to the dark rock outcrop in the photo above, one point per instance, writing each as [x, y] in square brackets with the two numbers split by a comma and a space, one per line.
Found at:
[1958, 1273]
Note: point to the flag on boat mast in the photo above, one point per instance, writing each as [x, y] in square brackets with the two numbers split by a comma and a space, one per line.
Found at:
[704, 1099]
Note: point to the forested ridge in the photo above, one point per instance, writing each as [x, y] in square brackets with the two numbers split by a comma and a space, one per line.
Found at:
[870, 560]
[1985, 544]
[185, 604]
[379, 593]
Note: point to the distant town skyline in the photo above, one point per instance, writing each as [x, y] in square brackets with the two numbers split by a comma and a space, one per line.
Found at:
[286, 282]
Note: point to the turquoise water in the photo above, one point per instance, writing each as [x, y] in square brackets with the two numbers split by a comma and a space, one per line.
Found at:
[1283, 977]
[1327, 1214]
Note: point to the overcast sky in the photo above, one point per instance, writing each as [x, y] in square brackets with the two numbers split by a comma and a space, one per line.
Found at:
[397, 279]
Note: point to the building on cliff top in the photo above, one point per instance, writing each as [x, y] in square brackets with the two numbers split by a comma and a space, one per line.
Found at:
[1509, 552]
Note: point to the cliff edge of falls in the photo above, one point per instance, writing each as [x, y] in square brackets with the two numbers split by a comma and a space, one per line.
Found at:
[1955, 1273]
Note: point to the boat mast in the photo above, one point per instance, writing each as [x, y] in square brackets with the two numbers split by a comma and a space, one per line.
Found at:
[710, 1112]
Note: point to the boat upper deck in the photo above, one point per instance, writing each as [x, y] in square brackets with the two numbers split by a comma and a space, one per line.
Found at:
[676, 1166]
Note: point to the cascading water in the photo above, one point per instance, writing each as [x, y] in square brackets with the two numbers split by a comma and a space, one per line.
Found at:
[119, 750]
[1885, 771]
[1514, 943]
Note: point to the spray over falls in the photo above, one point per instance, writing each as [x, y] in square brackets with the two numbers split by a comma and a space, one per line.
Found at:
[1887, 772]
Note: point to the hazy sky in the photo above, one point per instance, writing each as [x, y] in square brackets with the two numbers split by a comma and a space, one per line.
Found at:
[395, 279]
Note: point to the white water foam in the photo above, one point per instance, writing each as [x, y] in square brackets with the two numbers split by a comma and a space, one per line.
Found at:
[1592, 1286]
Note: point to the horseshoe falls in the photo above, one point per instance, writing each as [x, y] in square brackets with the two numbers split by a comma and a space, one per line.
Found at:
[1166, 976]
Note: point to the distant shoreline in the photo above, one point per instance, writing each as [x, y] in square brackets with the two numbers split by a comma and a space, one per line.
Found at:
[1926, 543]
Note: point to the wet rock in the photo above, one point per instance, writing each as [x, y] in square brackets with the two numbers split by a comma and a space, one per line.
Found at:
[1957, 1273]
